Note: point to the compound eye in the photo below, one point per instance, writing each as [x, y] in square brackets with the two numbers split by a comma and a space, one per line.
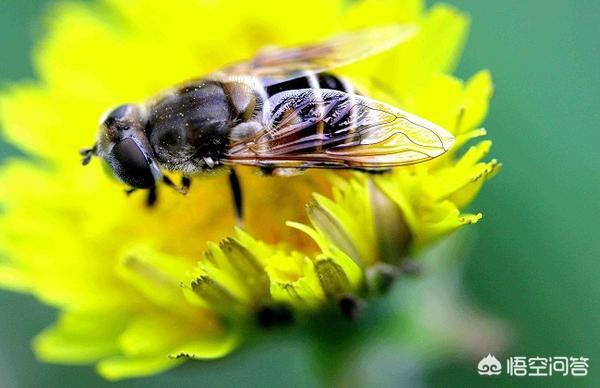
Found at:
[130, 164]
[118, 118]
[117, 113]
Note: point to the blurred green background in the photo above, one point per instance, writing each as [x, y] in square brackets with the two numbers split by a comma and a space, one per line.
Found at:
[536, 263]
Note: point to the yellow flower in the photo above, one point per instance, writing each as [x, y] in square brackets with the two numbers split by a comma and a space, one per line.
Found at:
[141, 290]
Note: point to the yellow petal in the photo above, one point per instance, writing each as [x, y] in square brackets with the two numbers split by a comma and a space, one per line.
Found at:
[440, 101]
[333, 279]
[14, 279]
[121, 367]
[360, 14]
[443, 218]
[157, 332]
[331, 252]
[477, 95]
[156, 275]
[298, 286]
[434, 50]
[80, 337]
[207, 347]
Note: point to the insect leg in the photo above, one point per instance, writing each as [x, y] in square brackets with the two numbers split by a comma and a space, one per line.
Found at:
[374, 171]
[236, 191]
[281, 171]
[152, 197]
[186, 182]
[267, 170]
[181, 190]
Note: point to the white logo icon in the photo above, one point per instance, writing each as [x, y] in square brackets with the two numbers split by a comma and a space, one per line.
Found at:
[489, 366]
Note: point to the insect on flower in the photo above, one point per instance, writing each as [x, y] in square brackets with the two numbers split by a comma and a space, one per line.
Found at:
[282, 111]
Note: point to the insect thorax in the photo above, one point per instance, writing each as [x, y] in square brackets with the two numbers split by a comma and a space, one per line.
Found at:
[189, 127]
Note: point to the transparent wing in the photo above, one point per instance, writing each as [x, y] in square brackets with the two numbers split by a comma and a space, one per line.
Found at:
[332, 129]
[280, 64]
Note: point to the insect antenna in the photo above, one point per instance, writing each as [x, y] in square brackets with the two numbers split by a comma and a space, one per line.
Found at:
[130, 191]
[87, 154]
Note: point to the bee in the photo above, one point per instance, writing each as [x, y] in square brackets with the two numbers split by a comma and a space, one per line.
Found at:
[282, 111]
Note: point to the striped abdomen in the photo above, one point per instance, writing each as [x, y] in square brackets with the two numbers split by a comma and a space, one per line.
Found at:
[311, 81]
[307, 118]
